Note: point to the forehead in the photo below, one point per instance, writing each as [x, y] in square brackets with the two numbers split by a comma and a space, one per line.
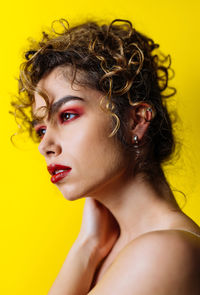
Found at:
[57, 84]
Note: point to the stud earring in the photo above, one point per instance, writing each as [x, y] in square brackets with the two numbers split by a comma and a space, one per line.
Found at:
[136, 145]
[135, 141]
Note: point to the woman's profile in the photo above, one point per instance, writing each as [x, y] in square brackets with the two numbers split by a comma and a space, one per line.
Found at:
[96, 96]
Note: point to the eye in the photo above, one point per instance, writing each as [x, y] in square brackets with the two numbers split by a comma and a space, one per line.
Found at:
[40, 132]
[66, 116]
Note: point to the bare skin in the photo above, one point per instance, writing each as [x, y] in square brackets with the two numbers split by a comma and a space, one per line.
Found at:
[132, 239]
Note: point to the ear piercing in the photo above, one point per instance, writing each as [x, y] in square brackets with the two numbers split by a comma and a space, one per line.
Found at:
[135, 141]
[151, 111]
[136, 145]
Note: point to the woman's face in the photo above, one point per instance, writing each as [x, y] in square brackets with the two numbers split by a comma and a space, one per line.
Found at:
[76, 135]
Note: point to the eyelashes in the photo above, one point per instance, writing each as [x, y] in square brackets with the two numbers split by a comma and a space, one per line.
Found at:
[66, 116]
[40, 132]
[63, 117]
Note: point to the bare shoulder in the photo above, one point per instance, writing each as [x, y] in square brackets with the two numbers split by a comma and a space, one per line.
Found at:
[173, 241]
[159, 262]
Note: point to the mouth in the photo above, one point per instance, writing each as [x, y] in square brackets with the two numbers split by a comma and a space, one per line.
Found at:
[58, 172]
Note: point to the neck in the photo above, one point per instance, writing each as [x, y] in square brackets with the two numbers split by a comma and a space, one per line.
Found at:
[136, 205]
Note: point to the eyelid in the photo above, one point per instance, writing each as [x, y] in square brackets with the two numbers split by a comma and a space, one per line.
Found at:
[37, 131]
[39, 127]
[73, 110]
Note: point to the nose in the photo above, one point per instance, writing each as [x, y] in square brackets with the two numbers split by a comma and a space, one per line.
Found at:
[49, 145]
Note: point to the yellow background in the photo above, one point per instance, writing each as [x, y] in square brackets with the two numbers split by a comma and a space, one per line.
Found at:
[38, 226]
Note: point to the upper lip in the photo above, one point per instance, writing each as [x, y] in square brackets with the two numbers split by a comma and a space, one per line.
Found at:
[53, 167]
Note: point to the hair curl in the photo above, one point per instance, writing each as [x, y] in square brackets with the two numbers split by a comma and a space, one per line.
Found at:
[115, 59]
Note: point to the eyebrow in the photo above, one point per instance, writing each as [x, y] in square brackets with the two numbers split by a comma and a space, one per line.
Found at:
[56, 106]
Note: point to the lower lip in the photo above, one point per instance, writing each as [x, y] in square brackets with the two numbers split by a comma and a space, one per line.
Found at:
[57, 177]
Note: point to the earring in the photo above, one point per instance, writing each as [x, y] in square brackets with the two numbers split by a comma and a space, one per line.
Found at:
[136, 145]
[135, 141]
[151, 111]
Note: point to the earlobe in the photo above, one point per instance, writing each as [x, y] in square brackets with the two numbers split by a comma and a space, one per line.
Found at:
[140, 129]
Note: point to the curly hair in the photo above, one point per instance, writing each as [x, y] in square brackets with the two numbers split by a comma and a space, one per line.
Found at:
[114, 59]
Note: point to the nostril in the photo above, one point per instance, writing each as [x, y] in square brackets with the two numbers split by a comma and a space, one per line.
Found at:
[50, 152]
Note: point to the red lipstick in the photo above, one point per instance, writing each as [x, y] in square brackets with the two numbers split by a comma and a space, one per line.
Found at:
[58, 172]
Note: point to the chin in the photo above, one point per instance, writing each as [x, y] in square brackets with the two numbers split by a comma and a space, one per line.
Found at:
[72, 197]
[71, 194]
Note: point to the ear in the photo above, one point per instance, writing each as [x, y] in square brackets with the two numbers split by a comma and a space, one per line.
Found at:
[140, 117]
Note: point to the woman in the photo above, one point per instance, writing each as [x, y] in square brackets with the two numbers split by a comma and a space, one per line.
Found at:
[97, 99]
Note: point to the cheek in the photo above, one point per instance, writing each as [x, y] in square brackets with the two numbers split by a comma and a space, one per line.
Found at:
[89, 148]
[95, 160]
[86, 136]
[94, 154]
